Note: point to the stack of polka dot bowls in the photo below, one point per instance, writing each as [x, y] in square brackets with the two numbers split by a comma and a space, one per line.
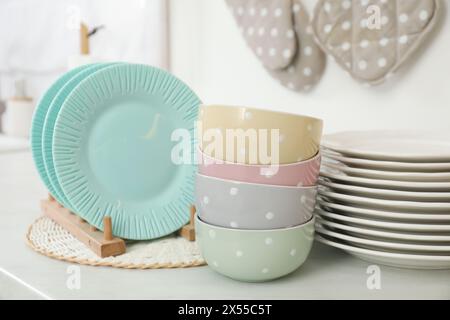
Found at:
[255, 217]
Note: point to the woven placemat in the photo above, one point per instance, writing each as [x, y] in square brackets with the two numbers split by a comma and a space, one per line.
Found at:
[50, 239]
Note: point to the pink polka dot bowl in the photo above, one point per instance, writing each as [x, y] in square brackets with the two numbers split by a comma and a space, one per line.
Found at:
[303, 173]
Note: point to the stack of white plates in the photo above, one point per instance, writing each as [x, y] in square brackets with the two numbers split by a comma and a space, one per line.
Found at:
[385, 197]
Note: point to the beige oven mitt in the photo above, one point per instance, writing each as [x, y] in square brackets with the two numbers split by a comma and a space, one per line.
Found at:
[267, 27]
[372, 38]
[309, 62]
[280, 35]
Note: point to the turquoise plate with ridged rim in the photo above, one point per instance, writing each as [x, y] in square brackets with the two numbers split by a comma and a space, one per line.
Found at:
[49, 126]
[112, 150]
[37, 126]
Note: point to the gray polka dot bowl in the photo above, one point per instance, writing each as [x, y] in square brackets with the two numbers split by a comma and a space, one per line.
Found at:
[243, 205]
[254, 255]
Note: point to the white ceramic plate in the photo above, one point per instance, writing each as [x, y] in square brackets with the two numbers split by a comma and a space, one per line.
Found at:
[385, 245]
[391, 145]
[375, 234]
[387, 165]
[388, 175]
[385, 184]
[386, 194]
[383, 215]
[383, 225]
[402, 206]
[401, 260]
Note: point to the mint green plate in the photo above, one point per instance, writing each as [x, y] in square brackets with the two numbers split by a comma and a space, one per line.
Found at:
[49, 126]
[112, 150]
[38, 123]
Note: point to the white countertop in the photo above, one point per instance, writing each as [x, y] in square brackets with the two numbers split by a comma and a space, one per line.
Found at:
[13, 144]
[327, 274]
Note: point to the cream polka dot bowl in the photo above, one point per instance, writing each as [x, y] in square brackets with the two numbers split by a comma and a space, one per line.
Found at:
[243, 205]
[254, 255]
[298, 139]
[303, 173]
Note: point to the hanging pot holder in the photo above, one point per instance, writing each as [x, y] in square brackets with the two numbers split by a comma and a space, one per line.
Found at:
[267, 27]
[309, 63]
[371, 39]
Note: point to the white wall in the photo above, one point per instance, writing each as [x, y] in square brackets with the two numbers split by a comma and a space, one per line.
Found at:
[209, 53]
[38, 37]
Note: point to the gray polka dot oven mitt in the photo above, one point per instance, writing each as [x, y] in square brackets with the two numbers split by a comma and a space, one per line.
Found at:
[280, 35]
[371, 39]
[309, 62]
[268, 28]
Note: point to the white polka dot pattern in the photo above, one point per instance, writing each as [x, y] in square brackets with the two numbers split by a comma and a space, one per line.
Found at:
[371, 45]
[309, 62]
[234, 191]
[255, 256]
[267, 27]
[280, 35]
[253, 206]
[269, 215]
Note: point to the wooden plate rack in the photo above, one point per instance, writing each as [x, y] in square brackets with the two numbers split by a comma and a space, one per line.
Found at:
[103, 244]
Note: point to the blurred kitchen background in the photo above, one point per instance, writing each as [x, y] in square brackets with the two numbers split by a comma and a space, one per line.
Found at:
[199, 42]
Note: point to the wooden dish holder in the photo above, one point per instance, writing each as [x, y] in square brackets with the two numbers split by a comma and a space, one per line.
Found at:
[103, 244]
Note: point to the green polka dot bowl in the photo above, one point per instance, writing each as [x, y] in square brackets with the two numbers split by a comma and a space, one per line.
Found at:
[254, 255]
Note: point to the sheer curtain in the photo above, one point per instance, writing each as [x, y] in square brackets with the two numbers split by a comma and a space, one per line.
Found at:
[37, 37]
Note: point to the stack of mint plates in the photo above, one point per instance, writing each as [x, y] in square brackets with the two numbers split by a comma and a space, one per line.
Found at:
[103, 140]
[384, 196]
